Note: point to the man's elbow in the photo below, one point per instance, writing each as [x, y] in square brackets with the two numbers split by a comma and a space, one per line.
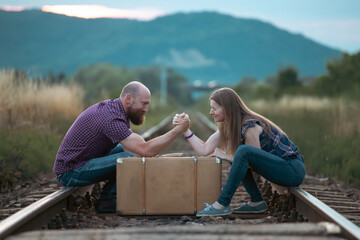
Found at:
[143, 152]
[148, 154]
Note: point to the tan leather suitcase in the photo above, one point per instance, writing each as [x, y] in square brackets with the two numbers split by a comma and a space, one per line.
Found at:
[166, 185]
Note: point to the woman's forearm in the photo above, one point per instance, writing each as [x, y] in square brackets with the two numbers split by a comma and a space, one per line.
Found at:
[199, 146]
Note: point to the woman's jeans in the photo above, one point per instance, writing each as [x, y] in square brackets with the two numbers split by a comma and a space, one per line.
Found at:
[284, 172]
[97, 170]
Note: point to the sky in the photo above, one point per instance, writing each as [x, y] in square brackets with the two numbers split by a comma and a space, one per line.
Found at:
[335, 23]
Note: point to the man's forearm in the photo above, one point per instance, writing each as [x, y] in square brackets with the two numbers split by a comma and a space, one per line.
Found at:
[158, 144]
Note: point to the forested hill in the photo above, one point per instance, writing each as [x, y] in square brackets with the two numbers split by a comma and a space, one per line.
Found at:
[204, 45]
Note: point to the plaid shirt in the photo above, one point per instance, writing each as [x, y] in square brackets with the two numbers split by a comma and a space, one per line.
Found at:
[93, 134]
[275, 142]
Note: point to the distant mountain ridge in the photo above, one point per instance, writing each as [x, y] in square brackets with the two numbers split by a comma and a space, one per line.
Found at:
[203, 45]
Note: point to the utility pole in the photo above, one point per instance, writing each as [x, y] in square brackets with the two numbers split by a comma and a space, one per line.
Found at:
[163, 85]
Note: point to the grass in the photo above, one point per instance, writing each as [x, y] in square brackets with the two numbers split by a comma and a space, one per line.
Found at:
[28, 151]
[34, 117]
[26, 102]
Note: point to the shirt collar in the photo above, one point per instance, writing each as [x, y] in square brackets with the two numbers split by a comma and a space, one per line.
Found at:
[122, 111]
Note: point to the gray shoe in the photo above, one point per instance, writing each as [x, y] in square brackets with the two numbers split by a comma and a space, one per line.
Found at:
[246, 208]
[211, 211]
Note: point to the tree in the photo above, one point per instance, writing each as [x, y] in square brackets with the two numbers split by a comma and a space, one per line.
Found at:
[287, 81]
[342, 79]
[246, 87]
[104, 81]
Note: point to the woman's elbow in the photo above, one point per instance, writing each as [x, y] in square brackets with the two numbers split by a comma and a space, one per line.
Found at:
[204, 152]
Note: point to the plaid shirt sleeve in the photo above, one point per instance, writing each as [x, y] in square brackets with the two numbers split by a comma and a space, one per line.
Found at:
[248, 124]
[117, 130]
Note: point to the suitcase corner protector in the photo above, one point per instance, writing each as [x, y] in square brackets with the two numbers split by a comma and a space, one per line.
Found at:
[119, 212]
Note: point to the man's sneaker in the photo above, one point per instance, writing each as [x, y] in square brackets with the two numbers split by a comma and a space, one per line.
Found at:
[259, 207]
[211, 211]
[105, 205]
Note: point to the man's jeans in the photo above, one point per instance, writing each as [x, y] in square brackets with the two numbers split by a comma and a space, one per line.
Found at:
[97, 170]
[284, 172]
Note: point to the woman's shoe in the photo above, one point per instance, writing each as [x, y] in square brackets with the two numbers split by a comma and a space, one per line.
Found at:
[256, 208]
[211, 211]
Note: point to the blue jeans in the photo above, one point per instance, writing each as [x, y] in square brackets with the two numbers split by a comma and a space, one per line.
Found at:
[97, 170]
[284, 172]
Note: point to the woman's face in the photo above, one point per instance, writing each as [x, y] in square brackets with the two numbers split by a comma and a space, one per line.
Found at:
[217, 111]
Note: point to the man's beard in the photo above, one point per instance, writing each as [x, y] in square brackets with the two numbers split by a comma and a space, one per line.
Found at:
[137, 117]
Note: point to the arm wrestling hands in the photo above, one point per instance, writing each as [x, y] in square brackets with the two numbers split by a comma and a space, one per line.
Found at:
[208, 148]
[136, 144]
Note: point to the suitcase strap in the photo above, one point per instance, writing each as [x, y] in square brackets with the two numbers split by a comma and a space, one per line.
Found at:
[195, 184]
[143, 186]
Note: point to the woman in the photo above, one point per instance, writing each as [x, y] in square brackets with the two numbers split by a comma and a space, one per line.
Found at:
[252, 143]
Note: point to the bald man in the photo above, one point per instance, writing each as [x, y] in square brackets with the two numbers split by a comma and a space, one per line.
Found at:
[100, 135]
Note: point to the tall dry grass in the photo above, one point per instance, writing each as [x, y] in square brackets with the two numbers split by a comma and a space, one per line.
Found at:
[25, 102]
[289, 103]
[346, 118]
[344, 114]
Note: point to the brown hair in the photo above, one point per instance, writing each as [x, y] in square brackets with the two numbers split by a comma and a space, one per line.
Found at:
[236, 113]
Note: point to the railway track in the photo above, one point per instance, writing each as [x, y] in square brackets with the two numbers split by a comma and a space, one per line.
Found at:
[302, 212]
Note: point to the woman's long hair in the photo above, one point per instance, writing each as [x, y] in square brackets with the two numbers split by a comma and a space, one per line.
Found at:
[236, 113]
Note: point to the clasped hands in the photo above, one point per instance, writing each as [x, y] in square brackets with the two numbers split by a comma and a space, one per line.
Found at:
[182, 120]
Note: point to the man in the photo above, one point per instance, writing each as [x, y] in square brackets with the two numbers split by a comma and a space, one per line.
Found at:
[100, 135]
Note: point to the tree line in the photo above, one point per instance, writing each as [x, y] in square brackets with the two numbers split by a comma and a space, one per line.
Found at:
[101, 81]
[341, 80]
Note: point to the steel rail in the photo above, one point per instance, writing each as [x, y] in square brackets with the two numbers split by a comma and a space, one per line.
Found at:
[20, 219]
[350, 229]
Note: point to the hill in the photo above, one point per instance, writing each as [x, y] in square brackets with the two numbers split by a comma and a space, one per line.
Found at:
[204, 45]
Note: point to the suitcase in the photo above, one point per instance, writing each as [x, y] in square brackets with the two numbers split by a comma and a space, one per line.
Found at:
[166, 185]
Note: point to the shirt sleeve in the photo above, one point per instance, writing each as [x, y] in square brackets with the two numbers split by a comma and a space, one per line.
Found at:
[117, 131]
[248, 124]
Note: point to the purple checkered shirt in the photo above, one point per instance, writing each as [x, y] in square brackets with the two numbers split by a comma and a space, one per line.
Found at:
[275, 142]
[93, 134]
